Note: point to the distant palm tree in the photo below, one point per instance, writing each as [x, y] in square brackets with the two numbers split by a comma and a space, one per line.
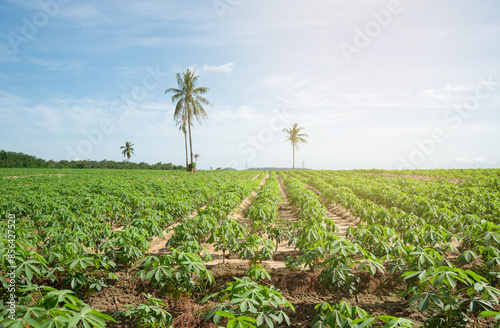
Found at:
[182, 122]
[196, 158]
[127, 151]
[295, 138]
[189, 101]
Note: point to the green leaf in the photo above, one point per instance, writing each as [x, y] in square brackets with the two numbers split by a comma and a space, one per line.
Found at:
[260, 320]
[475, 276]
[226, 314]
[245, 318]
[423, 305]
[269, 322]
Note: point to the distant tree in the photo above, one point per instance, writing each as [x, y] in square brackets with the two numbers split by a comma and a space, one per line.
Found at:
[20, 160]
[295, 138]
[189, 101]
[127, 151]
[196, 159]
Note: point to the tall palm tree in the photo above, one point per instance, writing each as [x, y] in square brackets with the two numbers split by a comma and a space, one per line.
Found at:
[189, 101]
[127, 151]
[295, 138]
[182, 122]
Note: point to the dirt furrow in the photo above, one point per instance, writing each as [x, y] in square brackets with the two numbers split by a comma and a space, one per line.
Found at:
[342, 217]
[158, 244]
[286, 210]
[239, 215]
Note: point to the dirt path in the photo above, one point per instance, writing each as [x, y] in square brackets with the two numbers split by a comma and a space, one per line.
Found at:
[255, 177]
[239, 215]
[289, 212]
[286, 210]
[343, 218]
[158, 244]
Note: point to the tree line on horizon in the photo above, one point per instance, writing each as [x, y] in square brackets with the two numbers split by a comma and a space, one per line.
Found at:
[10, 159]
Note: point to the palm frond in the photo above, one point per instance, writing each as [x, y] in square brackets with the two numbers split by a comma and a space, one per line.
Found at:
[203, 100]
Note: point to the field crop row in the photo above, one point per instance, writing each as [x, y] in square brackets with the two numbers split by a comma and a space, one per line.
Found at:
[79, 236]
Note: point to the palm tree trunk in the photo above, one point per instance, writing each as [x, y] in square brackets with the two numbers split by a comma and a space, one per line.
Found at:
[190, 140]
[293, 147]
[186, 145]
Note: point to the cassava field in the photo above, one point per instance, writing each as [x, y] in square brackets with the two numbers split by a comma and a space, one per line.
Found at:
[361, 248]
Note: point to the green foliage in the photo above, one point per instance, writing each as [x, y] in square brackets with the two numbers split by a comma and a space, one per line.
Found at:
[174, 273]
[225, 236]
[53, 308]
[447, 306]
[264, 210]
[149, 314]
[256, 249]
[237, 322]
[257, 272]
[342, 315]
[247, 298]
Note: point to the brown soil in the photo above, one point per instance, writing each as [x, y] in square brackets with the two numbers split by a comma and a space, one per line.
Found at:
[286, 210]
[342, 217]
[416, 177]
[158, 244]
[239, 213]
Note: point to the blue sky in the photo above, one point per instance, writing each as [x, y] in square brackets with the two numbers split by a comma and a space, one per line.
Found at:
[375, 84]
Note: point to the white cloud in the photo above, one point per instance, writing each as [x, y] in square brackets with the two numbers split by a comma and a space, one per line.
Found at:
[85, 13]
[62, 65]
[226, 68]
[474, 162]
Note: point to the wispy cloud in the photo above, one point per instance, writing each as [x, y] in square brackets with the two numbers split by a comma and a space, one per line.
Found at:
[475, 162]
[85, 12]
[226, 68]
[52, 65]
